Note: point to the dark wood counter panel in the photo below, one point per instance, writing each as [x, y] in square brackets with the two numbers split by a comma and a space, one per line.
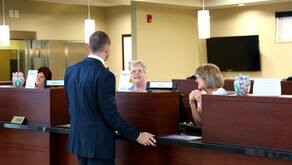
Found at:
[43, 143]
[155, 112]
[6, 83]
[261, 122]
[23, 147]
[39, 106]
[286, 87]
[170, 151]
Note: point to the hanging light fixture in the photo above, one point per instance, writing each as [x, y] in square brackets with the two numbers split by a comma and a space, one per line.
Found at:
[204, 23]
[89, 27]
[4, 30]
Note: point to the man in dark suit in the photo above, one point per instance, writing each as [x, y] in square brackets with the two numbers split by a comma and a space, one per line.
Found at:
[90, 90]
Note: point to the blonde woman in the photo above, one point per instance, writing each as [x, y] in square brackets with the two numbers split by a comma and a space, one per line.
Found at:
[138, 76]
[210, 82]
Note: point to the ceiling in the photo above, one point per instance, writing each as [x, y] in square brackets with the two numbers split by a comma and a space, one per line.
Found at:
[191, 3]
[101, 3]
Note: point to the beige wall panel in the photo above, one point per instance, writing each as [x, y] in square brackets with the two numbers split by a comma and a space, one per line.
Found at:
[5, 65]
[256, 20]
[76, 52]
[118, 22]
[53, 21]
[169, 45]
[57, 61]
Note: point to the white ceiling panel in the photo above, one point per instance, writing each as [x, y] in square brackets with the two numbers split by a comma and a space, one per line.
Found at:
[226, 3]
[101, 3]
[192, 3]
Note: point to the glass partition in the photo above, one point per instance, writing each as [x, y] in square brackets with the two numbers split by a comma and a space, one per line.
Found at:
[31, 54]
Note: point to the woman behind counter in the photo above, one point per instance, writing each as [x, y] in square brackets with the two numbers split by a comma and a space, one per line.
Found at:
[138, 76]
[44, 73]
[210, 82]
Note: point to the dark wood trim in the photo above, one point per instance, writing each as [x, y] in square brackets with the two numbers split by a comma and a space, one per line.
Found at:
[123, 36]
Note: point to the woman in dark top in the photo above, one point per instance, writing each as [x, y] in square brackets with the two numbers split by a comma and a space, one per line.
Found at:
[44, 73]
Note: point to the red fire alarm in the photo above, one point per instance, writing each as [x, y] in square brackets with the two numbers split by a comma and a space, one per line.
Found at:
[149, 18]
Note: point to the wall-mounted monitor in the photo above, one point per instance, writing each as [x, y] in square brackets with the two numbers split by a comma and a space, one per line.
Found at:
[236, 53]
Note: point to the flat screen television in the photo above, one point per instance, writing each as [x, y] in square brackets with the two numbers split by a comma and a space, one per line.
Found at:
[236, 53]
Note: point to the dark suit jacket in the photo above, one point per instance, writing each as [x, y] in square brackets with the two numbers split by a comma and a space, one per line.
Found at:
[90, 90]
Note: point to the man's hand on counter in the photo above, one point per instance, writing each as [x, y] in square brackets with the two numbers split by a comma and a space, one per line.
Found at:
[146, 139]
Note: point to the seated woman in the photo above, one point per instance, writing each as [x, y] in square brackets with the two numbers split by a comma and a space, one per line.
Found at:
[138, 76]
[210, 81]
[44, 73]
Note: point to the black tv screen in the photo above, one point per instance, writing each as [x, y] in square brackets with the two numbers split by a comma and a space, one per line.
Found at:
[237, 53]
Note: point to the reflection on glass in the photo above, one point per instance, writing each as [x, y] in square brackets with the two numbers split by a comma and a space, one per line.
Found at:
[22, 56]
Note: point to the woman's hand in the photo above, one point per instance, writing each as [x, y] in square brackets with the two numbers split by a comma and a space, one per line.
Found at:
[195, 95]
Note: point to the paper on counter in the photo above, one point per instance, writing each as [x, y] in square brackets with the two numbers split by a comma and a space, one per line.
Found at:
[182, 137]
[267, 87]
[65, 125]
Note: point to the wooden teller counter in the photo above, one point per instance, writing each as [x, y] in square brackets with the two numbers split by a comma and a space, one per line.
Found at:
[237, 130]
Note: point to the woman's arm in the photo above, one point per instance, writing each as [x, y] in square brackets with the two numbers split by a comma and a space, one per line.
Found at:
[195, 96]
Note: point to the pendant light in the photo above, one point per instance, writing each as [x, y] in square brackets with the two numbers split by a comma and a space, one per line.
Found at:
[89, 27]
[204, 23]
[4, 30]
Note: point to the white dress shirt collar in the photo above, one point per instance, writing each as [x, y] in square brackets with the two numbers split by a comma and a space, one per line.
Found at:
[96, 57]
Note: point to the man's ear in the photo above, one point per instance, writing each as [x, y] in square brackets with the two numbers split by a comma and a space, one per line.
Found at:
[106, 49]
[87, 46]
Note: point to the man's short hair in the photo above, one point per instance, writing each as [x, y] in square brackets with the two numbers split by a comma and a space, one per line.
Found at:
[98, 41]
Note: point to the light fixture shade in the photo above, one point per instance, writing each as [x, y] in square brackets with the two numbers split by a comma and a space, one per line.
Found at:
[89, 29]
[204, 24]
[4, 35]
